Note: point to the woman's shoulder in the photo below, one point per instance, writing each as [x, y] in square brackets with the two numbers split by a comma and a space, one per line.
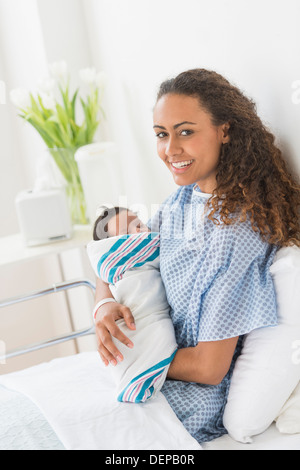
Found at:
[240, 239]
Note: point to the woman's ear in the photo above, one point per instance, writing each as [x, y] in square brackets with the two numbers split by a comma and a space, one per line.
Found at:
[225, 133]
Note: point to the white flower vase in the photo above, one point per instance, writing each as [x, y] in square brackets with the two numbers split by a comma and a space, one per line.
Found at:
[100, 175]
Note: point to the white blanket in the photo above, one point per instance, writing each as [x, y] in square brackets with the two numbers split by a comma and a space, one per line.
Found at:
[130, 264]
[75, 395]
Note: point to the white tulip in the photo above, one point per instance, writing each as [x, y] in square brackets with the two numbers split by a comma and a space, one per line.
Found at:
[20, 98]
[59, 71]
[46, 85]
[100, 79]
[88, 75]
[48, 100]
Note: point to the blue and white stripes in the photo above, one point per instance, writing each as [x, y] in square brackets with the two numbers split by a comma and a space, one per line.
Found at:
[142, 386]
[127, 252]
[143, 370]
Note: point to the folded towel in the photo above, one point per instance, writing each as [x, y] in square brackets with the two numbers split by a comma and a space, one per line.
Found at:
[130, 265]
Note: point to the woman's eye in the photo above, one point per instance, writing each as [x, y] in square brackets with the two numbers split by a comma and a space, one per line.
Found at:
[161, 135]
[186, 132]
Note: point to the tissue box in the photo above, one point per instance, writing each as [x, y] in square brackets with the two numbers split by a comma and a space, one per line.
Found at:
[43, 216]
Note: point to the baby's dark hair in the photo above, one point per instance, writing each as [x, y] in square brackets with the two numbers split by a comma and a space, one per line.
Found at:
[100, 230]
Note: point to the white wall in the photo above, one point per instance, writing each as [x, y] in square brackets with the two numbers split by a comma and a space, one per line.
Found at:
[10, 174]
[254, 44]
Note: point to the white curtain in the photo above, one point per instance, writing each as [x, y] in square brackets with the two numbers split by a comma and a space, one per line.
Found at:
[22, 58]
[32, 34]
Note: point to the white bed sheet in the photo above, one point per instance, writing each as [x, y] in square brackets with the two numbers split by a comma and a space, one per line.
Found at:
[75, 394]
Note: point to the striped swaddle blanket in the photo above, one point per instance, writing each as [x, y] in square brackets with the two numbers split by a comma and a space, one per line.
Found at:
[127, 252]
[130, 265]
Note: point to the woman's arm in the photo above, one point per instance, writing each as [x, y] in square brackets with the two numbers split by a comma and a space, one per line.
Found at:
[106, 326]
[206, 363]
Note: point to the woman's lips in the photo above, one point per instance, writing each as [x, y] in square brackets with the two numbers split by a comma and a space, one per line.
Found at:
[181, 167]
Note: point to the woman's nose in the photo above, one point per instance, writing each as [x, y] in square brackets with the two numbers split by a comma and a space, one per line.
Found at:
[172, 147]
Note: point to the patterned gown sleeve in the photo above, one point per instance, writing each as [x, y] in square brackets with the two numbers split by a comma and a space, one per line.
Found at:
[237, 289]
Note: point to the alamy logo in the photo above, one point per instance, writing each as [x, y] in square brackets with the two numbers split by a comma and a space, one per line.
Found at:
[296, 93]
[2, 92]
[296, 353]
[2, 352]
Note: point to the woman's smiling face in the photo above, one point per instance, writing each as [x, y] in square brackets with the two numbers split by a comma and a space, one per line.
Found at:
[187, 140]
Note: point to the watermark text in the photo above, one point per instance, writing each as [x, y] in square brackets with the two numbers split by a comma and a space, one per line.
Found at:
[2, 92]
[296, 352]
[296, 92]
[2, 353]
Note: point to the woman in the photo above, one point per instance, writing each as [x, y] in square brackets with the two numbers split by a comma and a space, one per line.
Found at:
[235, 206]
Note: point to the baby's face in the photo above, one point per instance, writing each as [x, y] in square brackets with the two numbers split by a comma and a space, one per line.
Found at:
[125, 222]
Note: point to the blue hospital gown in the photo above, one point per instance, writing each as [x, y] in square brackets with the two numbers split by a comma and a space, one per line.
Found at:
[218, 286]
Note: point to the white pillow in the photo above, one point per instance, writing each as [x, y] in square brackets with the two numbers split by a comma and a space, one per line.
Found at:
[288, 421]
[266, 374]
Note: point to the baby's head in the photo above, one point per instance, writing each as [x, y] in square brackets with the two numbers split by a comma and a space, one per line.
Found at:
[117, 221]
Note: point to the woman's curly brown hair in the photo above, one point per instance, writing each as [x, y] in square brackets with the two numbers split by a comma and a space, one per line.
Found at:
[252, 176]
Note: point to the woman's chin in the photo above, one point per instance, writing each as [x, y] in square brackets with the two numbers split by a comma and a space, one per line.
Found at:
[181, 180]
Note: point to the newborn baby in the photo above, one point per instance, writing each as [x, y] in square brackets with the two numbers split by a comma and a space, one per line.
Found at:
[125, 254]
[116, 221]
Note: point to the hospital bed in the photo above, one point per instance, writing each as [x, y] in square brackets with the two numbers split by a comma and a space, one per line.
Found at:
[68, 404]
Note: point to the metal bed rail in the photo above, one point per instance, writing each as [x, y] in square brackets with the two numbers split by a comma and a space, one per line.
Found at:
[62, 286]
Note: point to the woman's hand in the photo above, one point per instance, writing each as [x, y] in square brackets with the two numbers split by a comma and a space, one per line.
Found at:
[106, 328]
